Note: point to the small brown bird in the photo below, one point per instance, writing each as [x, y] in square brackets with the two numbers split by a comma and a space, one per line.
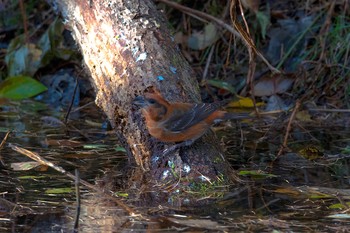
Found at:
[180, 122]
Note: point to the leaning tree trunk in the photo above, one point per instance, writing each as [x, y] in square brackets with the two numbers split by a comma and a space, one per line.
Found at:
[127, 48]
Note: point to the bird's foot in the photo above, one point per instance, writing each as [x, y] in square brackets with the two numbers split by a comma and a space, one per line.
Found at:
[177, 146]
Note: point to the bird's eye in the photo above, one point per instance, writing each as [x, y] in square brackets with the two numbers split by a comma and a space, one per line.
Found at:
[152, 101]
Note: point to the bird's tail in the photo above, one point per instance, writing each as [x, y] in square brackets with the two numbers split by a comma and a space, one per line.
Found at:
[237, 116]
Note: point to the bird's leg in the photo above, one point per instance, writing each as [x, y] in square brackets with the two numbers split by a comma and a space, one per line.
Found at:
[177, 146]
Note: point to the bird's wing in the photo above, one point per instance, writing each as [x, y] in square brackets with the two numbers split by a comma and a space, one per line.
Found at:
[191, 117]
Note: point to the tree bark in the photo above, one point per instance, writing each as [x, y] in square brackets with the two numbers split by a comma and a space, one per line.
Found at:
[127, 48]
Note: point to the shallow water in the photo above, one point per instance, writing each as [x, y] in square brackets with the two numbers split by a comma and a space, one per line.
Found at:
[305, 189]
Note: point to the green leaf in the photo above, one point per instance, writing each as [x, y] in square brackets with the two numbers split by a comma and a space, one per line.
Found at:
[201, 40]
[339, 206]
[339, 216]
[256, 174]
[320, 196]
[346, 150]
[30, 177]
[20, 87]
[95, 146]
[24, 166]
[120, 194]
[51, 43]
[22, 58]
[120, 149]
[27, 58]
[59, 190]
[222, 85]
[263, 21]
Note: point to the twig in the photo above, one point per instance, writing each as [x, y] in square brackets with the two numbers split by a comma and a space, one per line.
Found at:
[252, 50]
[289, 128]
[77, 194]
[329, 110]
[201, 14]
[24, 18]
[241, 34]
[44, 161]
[72, 102]
[84, 106]
[2, 145]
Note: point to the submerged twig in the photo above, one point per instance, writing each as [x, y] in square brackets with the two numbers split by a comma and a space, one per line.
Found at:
[289, 128]
[77, 194]
[44, 161]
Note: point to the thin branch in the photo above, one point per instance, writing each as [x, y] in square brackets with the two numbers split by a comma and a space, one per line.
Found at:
[241, 33]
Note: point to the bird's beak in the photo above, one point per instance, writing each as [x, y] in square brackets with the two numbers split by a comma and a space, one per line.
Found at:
[139, 101]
